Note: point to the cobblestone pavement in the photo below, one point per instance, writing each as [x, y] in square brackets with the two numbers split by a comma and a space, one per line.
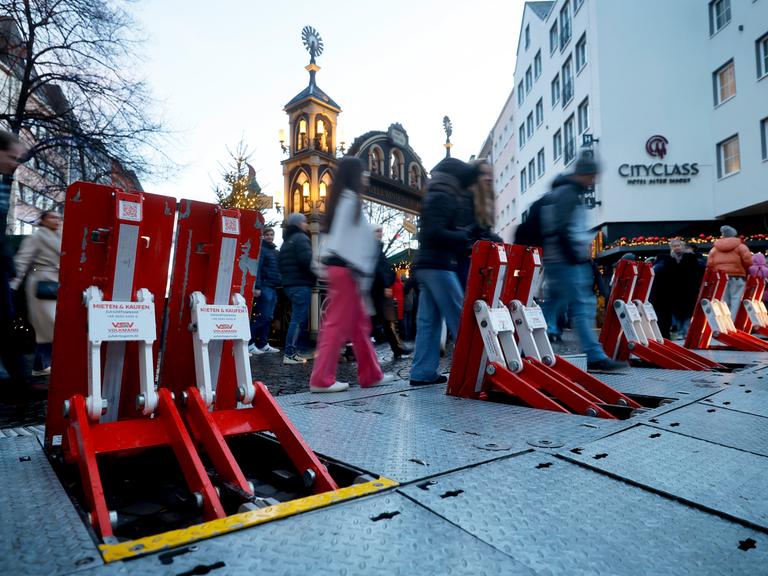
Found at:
[27, 408]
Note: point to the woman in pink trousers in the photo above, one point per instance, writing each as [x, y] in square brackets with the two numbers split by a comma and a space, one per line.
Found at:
[349, 254]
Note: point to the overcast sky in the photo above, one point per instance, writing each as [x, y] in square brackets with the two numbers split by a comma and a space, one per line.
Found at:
[225, 72]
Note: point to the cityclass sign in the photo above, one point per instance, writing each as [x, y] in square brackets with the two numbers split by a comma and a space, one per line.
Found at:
[658, 172]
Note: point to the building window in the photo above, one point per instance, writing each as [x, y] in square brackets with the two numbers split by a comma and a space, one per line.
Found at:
[728, 159]
[523, 181]
[762, 56]
[565, 24]
[557, 145]
[528, 80]
[540, 162]
[529, 125]
[567, 81]
[581, 52]
[719, 15]
[553, 38]
[570, 141]
[531, 172]
[555, 90]
[521, 135]
[764, 136]
[537, 65]
[540, 112]
[527, 36]
[724, 80]
[584, 115]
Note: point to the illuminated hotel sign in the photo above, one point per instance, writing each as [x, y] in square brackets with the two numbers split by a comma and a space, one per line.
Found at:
[658, 172]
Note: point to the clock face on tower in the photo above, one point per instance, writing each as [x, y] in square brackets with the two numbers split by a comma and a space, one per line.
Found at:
[312, 41]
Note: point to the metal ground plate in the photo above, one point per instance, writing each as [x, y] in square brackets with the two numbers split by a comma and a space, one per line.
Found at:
[722, 479]
[384, 534]
[718, 425]
[683, 385]
[403, 451]
[751, 359]
[747, 396]
[562, 519]
[516, 426]
[41, 532]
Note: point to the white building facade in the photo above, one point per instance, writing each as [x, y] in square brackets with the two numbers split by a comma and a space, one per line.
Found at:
[503, 154]
[673, 96]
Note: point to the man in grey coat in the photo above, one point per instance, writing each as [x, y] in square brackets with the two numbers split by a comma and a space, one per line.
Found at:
[566, 257]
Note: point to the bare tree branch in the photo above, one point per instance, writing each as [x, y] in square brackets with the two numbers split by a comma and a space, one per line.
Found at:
[72, 61]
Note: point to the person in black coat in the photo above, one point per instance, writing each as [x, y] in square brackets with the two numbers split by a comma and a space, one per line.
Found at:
[675, 290]
[265, 294]
[381, 294]
[443, 239]
[295, 260]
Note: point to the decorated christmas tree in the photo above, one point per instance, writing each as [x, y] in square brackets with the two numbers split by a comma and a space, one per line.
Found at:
[240, 188]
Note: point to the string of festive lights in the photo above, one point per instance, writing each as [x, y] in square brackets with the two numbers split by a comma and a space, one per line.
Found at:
[663, 241]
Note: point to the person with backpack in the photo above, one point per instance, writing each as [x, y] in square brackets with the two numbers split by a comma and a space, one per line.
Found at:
[566, 239]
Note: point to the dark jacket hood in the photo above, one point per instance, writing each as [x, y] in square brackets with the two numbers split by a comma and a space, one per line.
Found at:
[291, 230]
[566, 180]
[465, 173]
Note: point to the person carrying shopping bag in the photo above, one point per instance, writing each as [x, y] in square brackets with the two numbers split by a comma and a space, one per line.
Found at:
[349, 254]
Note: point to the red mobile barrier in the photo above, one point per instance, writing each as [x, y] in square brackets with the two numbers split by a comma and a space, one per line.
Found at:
[115, 251]
[752, 315]
[712, 319]
[215, 266]
[503, 278]
[630, 324]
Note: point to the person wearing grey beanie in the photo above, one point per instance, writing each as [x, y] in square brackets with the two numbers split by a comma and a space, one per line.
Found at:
[730, 255]
[567, 239]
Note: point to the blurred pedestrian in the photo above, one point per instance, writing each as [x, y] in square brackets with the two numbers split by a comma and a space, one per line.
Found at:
[264, 291]
[566, 258]
[350, 255]
[677, 278]
[295, 262]
[443, 240]
[759, 269]
[731, 255]
[37, 267]
[476, 214]
[398, 296]
[409, 305]
[12, 153]
[384, 305]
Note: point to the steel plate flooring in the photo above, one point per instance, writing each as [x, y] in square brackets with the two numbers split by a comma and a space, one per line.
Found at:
[387, 534]
[40, 531]
[715, 477]
[485, 488]
[563, 519]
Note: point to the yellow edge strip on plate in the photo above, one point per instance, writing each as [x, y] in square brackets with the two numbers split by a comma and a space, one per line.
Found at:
[173, 538]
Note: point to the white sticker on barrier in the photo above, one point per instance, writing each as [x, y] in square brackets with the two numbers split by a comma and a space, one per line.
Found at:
[535, 318]
[223, 322]
[633, 313]
[128, 210]
[650, 311]
[115, 321]
[500, 320]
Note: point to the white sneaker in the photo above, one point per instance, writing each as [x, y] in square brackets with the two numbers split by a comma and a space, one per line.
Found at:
[335, 387]
[294, 359]
[267, 348]
[43, 372]
[388, 378]
[252, 350]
